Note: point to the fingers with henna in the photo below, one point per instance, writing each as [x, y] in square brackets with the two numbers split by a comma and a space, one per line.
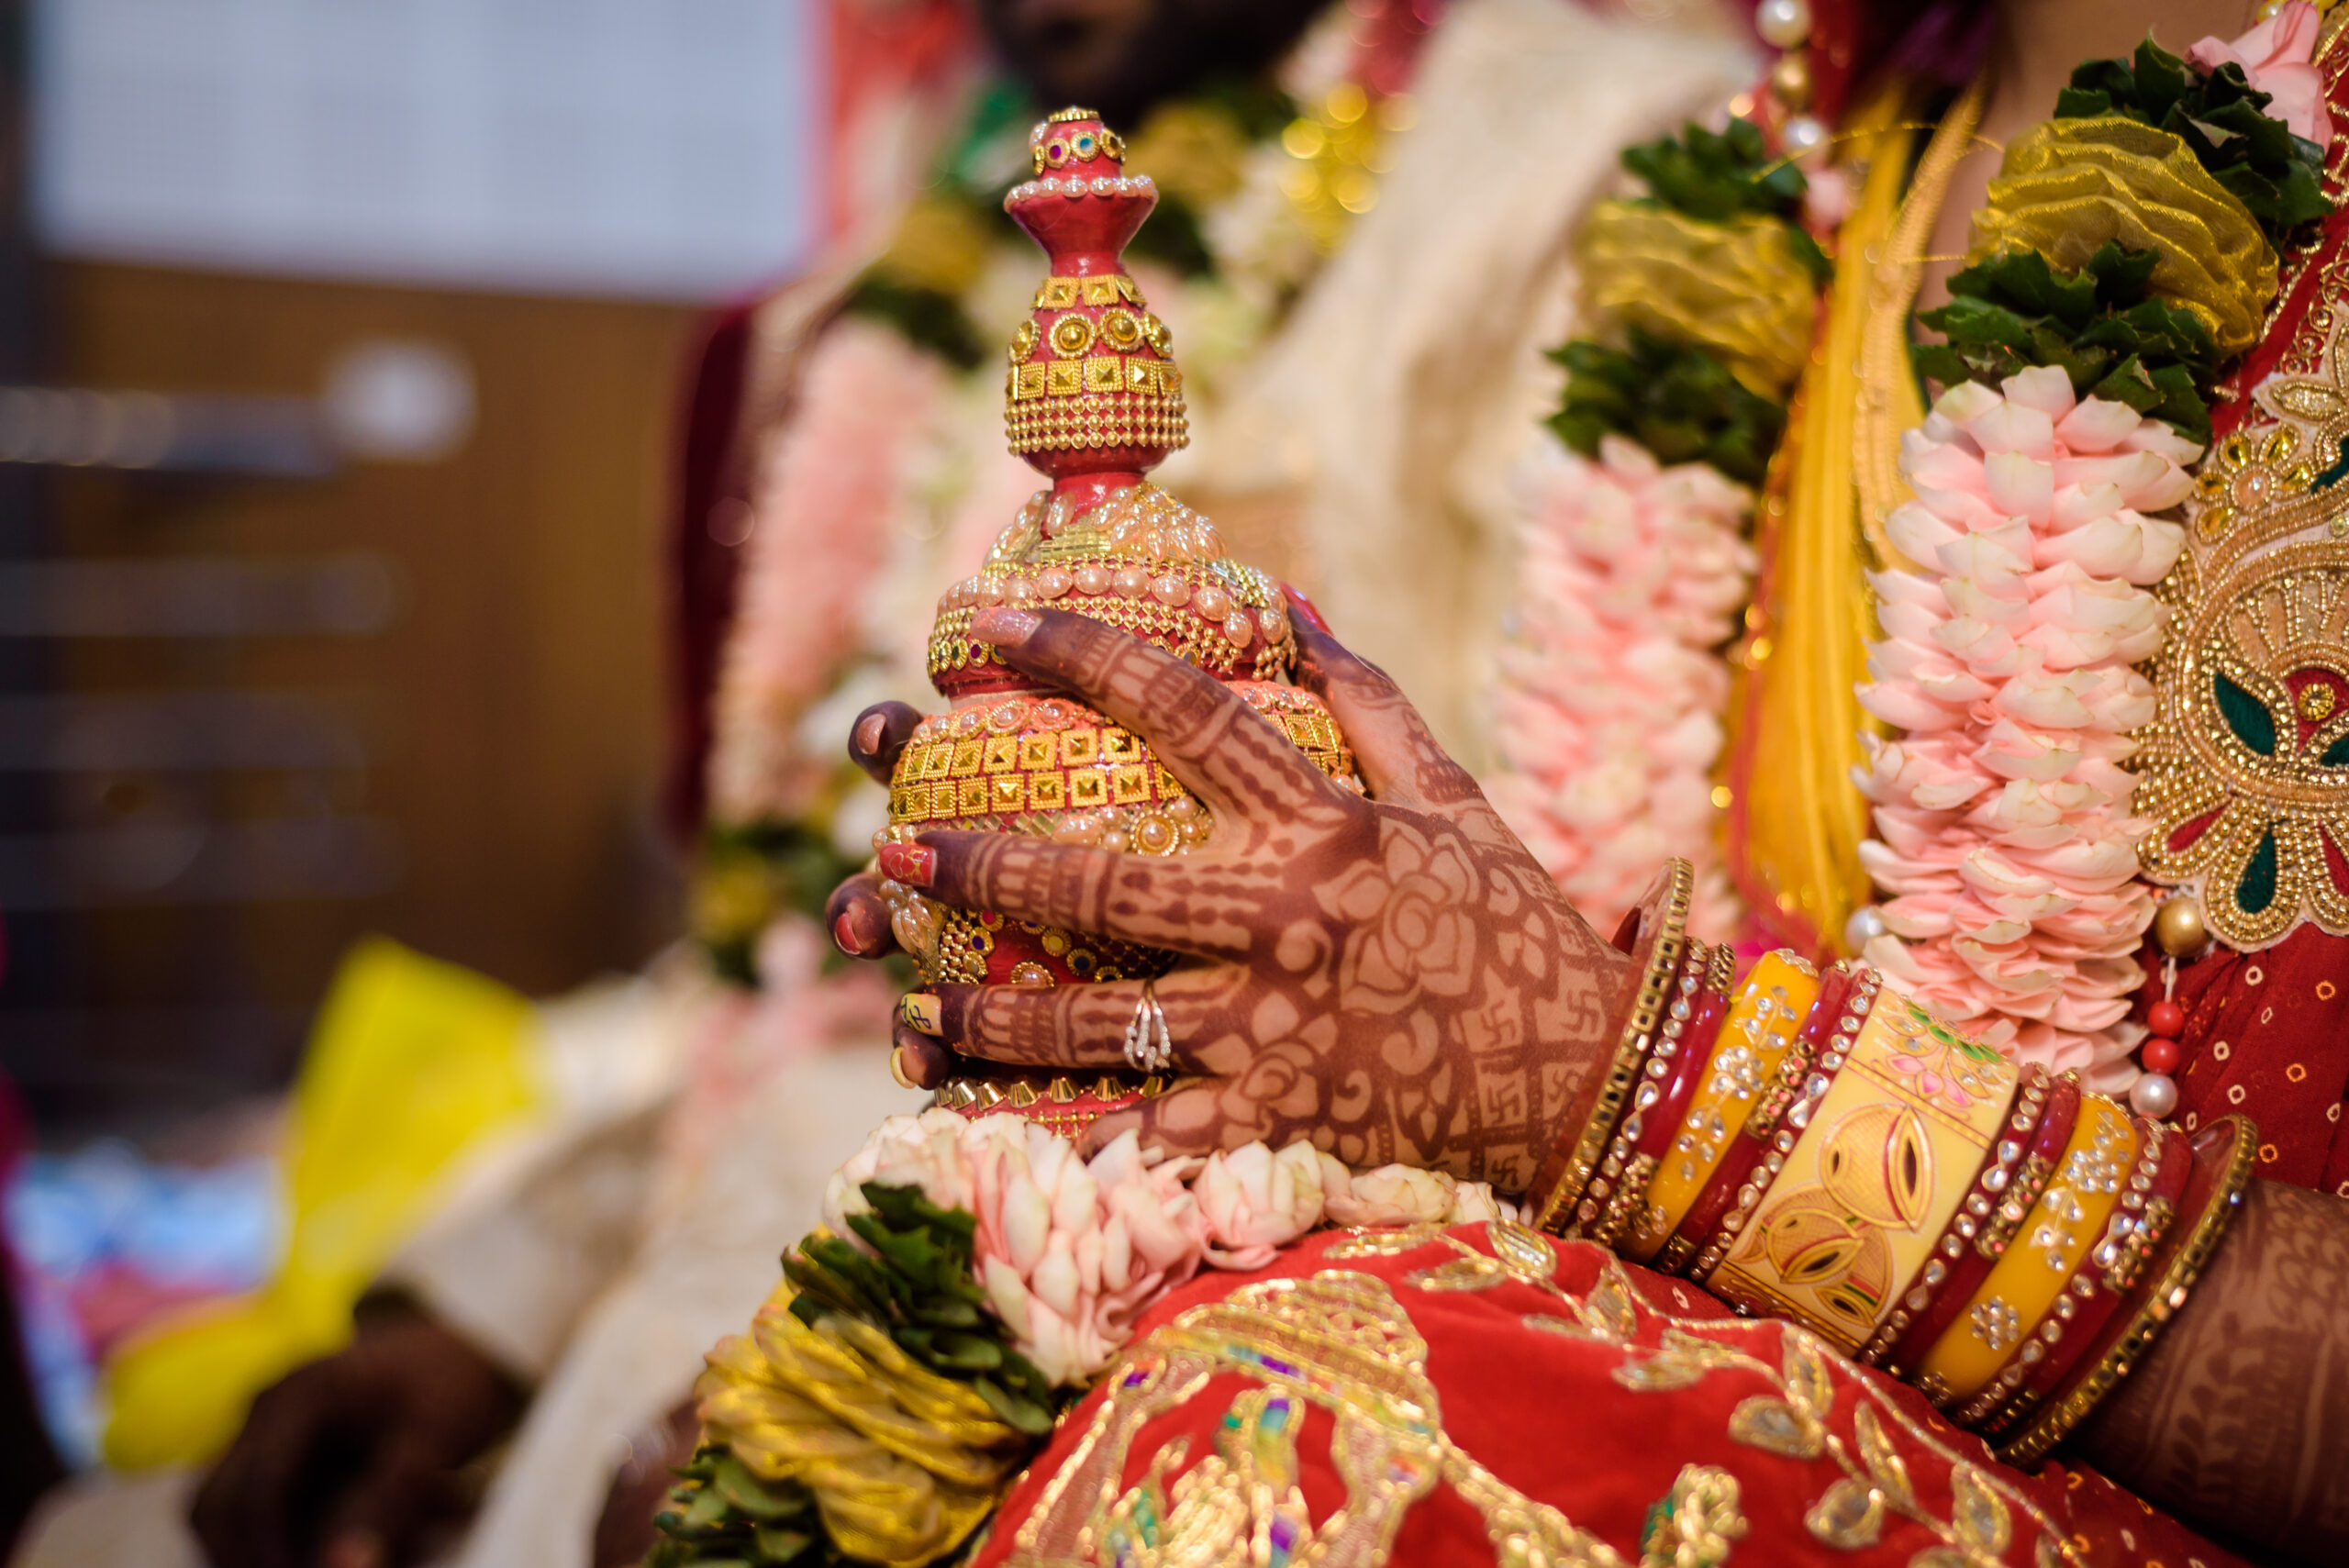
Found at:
[1084, 1026]
[1153, 901]
[858, 919]
[1205, 733]
[879, 733]
[1393, 746]
[921, 1063]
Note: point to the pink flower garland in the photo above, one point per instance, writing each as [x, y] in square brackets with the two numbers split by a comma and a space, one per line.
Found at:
[2277, 58]
[2002, 814]
[1072, 1251]
[1612, 691]
[829, 495]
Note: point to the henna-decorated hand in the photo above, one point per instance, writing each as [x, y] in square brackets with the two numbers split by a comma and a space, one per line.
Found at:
[1394, 978]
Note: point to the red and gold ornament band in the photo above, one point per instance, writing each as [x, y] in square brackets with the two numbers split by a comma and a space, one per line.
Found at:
[1821, 1148]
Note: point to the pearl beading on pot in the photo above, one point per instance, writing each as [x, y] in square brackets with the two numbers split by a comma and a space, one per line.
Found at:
[1073, 188]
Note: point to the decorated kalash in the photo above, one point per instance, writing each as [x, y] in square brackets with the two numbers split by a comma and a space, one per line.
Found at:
[1809, 1274]
[1094, 401]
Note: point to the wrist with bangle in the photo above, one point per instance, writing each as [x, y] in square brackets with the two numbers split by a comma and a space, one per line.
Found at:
[1821, 1149]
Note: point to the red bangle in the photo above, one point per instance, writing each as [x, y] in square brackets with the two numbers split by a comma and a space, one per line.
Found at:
[2116, 1266]
[1753, 1141]
[1603, 1194]
[1654, 1126]
[1691, 1029]
[1992, 1223]
[2222, 1157]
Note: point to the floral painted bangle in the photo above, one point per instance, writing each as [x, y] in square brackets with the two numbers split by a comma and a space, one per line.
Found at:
[1852, 1219]
[1657, 930]
[2021, 1288]
[2113, 1269]
[1757, 1171]
[2224, 1155]
[1757, 1040]
[1844, 995]
[1669, 1083]
[2041, 1131]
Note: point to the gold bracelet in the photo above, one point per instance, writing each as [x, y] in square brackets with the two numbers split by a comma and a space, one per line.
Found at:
[2054, 1240]
[1679, 1060]
[1663, 936]
[1763, 1021]
[2232, 1144]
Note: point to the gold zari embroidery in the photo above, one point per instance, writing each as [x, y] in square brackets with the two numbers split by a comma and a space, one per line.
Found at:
[1796, 1419]
[2245, 769]
[1338, 1340]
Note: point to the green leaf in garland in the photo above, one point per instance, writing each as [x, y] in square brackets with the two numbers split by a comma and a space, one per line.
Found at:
[2222, 119]
[1717, 175]
[1679, 402]
[917, 1286]
[2099, 325]
[925, 317]
[748, 873]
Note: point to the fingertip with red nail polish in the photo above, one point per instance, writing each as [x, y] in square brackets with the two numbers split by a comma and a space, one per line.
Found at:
[912, 864]
[846, 936]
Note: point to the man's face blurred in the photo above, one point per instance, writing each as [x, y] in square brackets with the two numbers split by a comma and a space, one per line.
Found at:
[1124, 56]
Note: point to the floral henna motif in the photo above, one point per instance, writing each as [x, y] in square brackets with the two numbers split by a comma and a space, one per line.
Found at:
[1394, 978]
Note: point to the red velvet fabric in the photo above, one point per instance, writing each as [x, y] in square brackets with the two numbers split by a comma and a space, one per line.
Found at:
[2267, 1037]
[1541, 1387]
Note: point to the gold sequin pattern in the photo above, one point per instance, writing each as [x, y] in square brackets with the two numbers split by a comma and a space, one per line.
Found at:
[1179, 629]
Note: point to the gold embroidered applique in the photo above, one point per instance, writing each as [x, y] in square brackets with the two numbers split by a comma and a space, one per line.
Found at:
[1341, 1341]
[1695, 1523]
[2245, 768]
[1338, 1342]
[2246, 773]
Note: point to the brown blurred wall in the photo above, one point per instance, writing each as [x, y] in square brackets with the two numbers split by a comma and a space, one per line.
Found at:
[510, 711]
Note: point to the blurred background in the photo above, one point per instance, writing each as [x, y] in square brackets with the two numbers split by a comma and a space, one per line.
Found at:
[340, 353]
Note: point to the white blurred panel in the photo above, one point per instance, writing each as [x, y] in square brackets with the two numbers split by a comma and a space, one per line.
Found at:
[644, 148]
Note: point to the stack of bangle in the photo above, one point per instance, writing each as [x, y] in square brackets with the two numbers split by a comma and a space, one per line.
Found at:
[1656, 933]
[1821, 1149]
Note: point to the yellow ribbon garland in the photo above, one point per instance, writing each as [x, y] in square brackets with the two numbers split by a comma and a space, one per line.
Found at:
[903, 1463]
[1799, 821]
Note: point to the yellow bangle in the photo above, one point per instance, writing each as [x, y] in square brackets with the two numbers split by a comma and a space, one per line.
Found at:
[2021, 1288]
[2157, 1303]
[1763, 1018]
[1876, 1177]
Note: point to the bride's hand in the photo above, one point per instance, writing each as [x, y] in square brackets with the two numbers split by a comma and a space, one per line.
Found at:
[1394, 978]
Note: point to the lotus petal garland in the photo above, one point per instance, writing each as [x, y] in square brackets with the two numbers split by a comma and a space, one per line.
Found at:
[865, 392]
[1612, 690]
[2002, 814]
[1072, 1251]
